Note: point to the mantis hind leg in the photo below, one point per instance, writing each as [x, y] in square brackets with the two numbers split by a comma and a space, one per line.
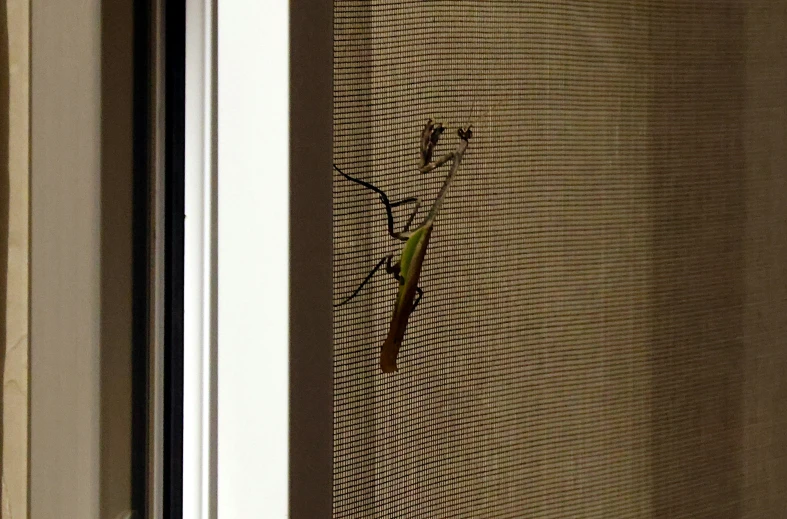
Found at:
[366, 279]
[390, 268]
[395, 272]
[409, 219]
[418, 298]
[388, 204]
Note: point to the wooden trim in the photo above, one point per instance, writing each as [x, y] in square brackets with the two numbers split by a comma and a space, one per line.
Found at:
[14, 247]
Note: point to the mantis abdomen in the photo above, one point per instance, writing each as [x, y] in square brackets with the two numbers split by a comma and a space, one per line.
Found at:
[410, 271]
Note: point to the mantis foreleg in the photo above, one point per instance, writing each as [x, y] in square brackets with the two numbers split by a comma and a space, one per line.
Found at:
[434, 165]
[429, 138]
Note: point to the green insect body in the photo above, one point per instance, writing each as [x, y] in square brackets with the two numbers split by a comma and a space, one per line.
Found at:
[409, 273]
[407, 270]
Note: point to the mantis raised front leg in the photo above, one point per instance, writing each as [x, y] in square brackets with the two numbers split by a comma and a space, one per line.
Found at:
[407, 270]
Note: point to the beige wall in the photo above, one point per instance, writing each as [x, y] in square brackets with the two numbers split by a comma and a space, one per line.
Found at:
[80, 259]
[15, 381]
[65, 258]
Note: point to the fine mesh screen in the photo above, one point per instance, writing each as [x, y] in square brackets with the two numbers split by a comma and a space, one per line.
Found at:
[604, 319]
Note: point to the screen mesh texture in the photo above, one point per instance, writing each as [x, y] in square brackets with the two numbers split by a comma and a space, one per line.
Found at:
[603, 331]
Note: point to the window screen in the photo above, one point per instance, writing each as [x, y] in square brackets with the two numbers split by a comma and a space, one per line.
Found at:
[603, 330]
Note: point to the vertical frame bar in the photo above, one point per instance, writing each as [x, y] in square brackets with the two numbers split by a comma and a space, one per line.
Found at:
[174, 236]
[199, 391]
[143, 249]
[174, 187]
[311, 231]
[157, 259]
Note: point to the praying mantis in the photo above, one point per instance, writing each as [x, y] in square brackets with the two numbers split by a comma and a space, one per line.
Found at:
[407, 270]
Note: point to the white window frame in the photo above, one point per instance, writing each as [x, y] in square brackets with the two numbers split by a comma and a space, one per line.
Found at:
[260, 306]
[250, 397]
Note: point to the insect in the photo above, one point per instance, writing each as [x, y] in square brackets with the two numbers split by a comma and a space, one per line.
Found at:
[407, 270]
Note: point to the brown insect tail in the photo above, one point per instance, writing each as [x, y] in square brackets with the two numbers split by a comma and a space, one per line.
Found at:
[388, 354]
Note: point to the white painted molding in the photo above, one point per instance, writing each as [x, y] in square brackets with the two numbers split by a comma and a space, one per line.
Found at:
[199, 390]
[253, 261]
